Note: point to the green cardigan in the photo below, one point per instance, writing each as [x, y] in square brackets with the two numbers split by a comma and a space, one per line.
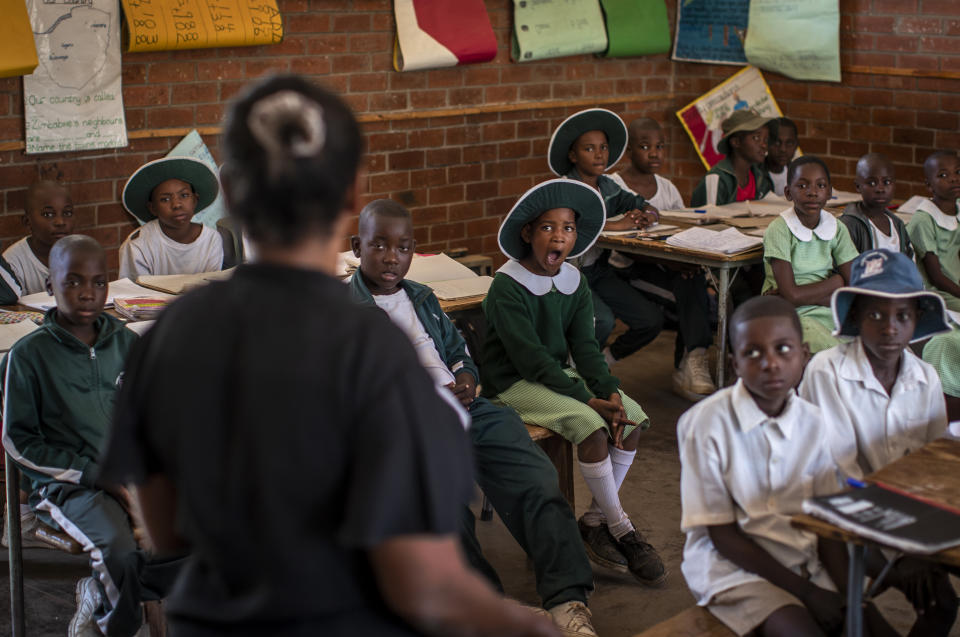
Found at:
[531, 337]
[727, 186]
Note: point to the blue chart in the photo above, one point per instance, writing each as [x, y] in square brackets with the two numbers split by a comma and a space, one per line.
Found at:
[711, 31]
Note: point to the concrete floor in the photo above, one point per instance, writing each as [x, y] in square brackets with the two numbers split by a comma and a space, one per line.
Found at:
[651, 495]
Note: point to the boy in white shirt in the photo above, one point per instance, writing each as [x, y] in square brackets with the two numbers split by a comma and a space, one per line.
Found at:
[884, 401]
[48, 215]
[165, 194]
[750, 455]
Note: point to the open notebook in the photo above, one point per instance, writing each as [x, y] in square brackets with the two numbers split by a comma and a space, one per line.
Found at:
[448, 278]
[180, 283]
[10, 333]
[120, 288]
[729, 241]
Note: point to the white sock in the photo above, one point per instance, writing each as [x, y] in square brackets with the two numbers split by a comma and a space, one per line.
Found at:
[621, 460]
[600, 481]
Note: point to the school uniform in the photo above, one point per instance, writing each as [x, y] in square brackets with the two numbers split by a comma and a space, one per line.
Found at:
[149, 251]
[740, 466]
[814, 255]
[943, 353]
[727, 186]
[933, 231]
[867, 236]
[613, 297]
[511, 469]
[58, 404]
[667, 196]
[296, 443]
[30, 272]
[875, 428]
[534, 325]
[10, 287]
[779, 180]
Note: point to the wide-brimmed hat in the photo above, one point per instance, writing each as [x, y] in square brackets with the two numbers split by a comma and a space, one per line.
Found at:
[889, 275]
[558, 155]
[740, 121]
[556, 193]
[136, 193]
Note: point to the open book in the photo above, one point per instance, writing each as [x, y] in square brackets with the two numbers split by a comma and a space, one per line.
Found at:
[180, 283]
[449, 279]
[729, 241]
[10, 333]
[119, 288]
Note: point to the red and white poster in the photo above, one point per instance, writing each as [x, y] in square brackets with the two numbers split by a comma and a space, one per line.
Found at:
[433, 34]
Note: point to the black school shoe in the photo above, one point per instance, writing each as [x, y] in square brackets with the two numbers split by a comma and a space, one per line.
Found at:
[601, 546]
[642, 559]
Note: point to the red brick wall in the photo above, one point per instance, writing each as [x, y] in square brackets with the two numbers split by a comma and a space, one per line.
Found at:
[460, 173]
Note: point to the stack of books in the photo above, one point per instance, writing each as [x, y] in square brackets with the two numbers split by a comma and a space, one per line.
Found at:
[140, 308]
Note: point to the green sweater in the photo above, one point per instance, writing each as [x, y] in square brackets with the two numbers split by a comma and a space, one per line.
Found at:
[727, 186]
[58, 399]
[530, 337]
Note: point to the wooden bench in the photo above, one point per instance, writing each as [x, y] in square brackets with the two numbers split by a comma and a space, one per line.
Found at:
[693, 622]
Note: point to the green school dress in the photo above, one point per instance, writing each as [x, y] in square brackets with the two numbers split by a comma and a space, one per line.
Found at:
[943, 352]
[815, 255]
[933, 231]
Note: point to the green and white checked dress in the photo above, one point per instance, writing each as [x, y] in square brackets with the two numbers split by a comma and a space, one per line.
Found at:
[933, 231]
[943, 352]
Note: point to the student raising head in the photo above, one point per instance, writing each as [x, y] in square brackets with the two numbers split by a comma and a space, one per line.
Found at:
[806, 252]
[740, 175]
[349, 501]
[48, 216]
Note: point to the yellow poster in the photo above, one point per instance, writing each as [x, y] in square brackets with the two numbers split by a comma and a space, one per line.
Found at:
[18, 55]
[160, 25]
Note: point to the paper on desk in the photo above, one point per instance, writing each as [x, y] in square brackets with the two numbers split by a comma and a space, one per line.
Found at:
[10, 333]
[180, 283]
[453, 289]
[705, 214]
[729, 241]
[120, 288]
[140, 327]
[437, 267]
[657, 229]
[910, 205]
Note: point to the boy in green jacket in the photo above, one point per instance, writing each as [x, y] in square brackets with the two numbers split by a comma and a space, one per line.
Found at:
[511, 469]
[59, 386]
[741, 175]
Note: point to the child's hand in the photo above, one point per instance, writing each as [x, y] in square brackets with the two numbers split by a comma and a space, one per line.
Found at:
[612, 412]
[466, 388]
[917, 580]
[827, 608]
[649, 216]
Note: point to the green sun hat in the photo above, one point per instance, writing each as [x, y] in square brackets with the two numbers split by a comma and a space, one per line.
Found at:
[740, 121]
[585, 201]
[576, 125]
[136, 193]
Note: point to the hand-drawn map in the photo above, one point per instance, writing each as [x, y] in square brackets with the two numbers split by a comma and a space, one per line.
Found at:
[72, 101]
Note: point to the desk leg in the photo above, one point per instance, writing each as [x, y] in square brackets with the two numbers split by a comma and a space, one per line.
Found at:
[722, 293]
[855, 590]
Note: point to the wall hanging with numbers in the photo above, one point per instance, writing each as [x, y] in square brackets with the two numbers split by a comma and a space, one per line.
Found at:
[159, 25]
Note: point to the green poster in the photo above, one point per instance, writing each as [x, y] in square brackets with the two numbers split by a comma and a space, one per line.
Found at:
[636, 27]
[555, 28]
[798, 39]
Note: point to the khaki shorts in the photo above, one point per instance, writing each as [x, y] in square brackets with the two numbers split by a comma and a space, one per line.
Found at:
[743, 608]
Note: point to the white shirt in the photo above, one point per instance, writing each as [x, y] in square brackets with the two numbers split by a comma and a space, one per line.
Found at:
[826, 228]
[399, 308]
[31, 273]
[739, 465]
[880, 240]
[667, 196]
[779, 180]
[875, 428]
[149, 251]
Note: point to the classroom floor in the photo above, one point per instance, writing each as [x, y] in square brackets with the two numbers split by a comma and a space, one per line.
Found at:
[621, 608]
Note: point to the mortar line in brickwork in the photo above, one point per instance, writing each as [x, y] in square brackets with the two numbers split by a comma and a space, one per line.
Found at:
[397, 116]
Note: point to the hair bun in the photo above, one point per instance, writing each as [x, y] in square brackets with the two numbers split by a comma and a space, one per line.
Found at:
[289, 126]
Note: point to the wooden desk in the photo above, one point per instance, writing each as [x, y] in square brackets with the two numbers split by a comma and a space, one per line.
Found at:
[727, 267]
[932, 472]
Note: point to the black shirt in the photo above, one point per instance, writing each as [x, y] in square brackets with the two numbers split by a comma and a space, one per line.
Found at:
[299, 431]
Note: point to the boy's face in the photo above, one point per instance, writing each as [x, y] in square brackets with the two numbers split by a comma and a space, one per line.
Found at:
[783, 147]
[886, 326]
[385, 248]
[80, 288]
[944, 180]
[551, 237]
[590, 153]
[50, 215]
[647, 151]
[173, 202]
[808, 191]
[752, 146]
[769, 355]
[875, 183]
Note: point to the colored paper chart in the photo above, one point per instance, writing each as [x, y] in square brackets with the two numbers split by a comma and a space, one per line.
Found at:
[703, 117]
[711, 31]
[798, 39]
[636, 27]
[433, 34]
[18, 53]
[555, 28]
[162, 25]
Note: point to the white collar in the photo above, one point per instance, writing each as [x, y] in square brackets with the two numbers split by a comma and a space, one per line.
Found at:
[566, 281]
[947, 222]
[855, 366]
[750, 416]
[826, 229]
